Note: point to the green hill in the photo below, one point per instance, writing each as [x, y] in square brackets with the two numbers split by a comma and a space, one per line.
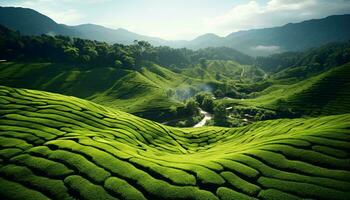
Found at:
[324, 94]
[142, 92]
[136, 78]
[224, 70]
[305, 64]
[60, 147]
[330, 94]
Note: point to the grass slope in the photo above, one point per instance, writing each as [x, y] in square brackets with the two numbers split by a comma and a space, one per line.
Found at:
[324, 94]
[224, 70]
[142, 91]
[60, 147]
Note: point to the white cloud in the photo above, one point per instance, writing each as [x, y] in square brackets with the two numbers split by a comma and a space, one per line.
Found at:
[275, 13]
[271, 48]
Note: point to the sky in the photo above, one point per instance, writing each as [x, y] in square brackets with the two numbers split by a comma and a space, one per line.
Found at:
[184, 19]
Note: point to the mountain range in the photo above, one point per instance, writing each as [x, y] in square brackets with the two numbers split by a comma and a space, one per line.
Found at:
[256, 42]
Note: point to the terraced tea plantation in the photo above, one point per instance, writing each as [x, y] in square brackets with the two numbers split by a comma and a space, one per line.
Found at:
[325, 94]
[60, 147]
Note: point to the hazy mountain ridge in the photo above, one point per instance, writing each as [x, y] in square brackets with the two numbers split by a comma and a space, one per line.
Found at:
[31, 22]
[293, 36]
[256, 42]
[120, 35]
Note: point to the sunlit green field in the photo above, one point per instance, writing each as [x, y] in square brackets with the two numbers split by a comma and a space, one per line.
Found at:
[141, 92]
[325, 94]
[132, 91]
[61, 147]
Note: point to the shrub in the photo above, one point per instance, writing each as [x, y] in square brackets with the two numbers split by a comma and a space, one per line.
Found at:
[241, 184]
[302, 189]
[17, 191]
[86, 189]
[123, 189]
[54, 188]
[273, 194]
[228, 194]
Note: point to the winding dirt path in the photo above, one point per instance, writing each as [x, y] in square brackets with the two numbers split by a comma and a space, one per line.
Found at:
[207, 117]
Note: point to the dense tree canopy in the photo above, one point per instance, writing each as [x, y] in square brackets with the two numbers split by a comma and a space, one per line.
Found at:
[320, 58]
[90, 53]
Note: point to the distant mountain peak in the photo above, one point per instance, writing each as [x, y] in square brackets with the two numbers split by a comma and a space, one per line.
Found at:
[207, 36]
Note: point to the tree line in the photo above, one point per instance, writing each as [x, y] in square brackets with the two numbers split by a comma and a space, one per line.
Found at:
[88, 53]
[320, 58]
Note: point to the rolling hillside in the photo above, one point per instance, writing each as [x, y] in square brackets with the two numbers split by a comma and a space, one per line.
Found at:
[324, 94]
[142, 92]
[87, 151]
[224, 70]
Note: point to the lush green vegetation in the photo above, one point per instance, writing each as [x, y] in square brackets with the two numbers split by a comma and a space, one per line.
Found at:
[153, 92]
[311, 83]
[159, 83]
[316, 59]
[92, 54]
[140, 92]
[324, 94]
[151, 82]
[55, 146]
